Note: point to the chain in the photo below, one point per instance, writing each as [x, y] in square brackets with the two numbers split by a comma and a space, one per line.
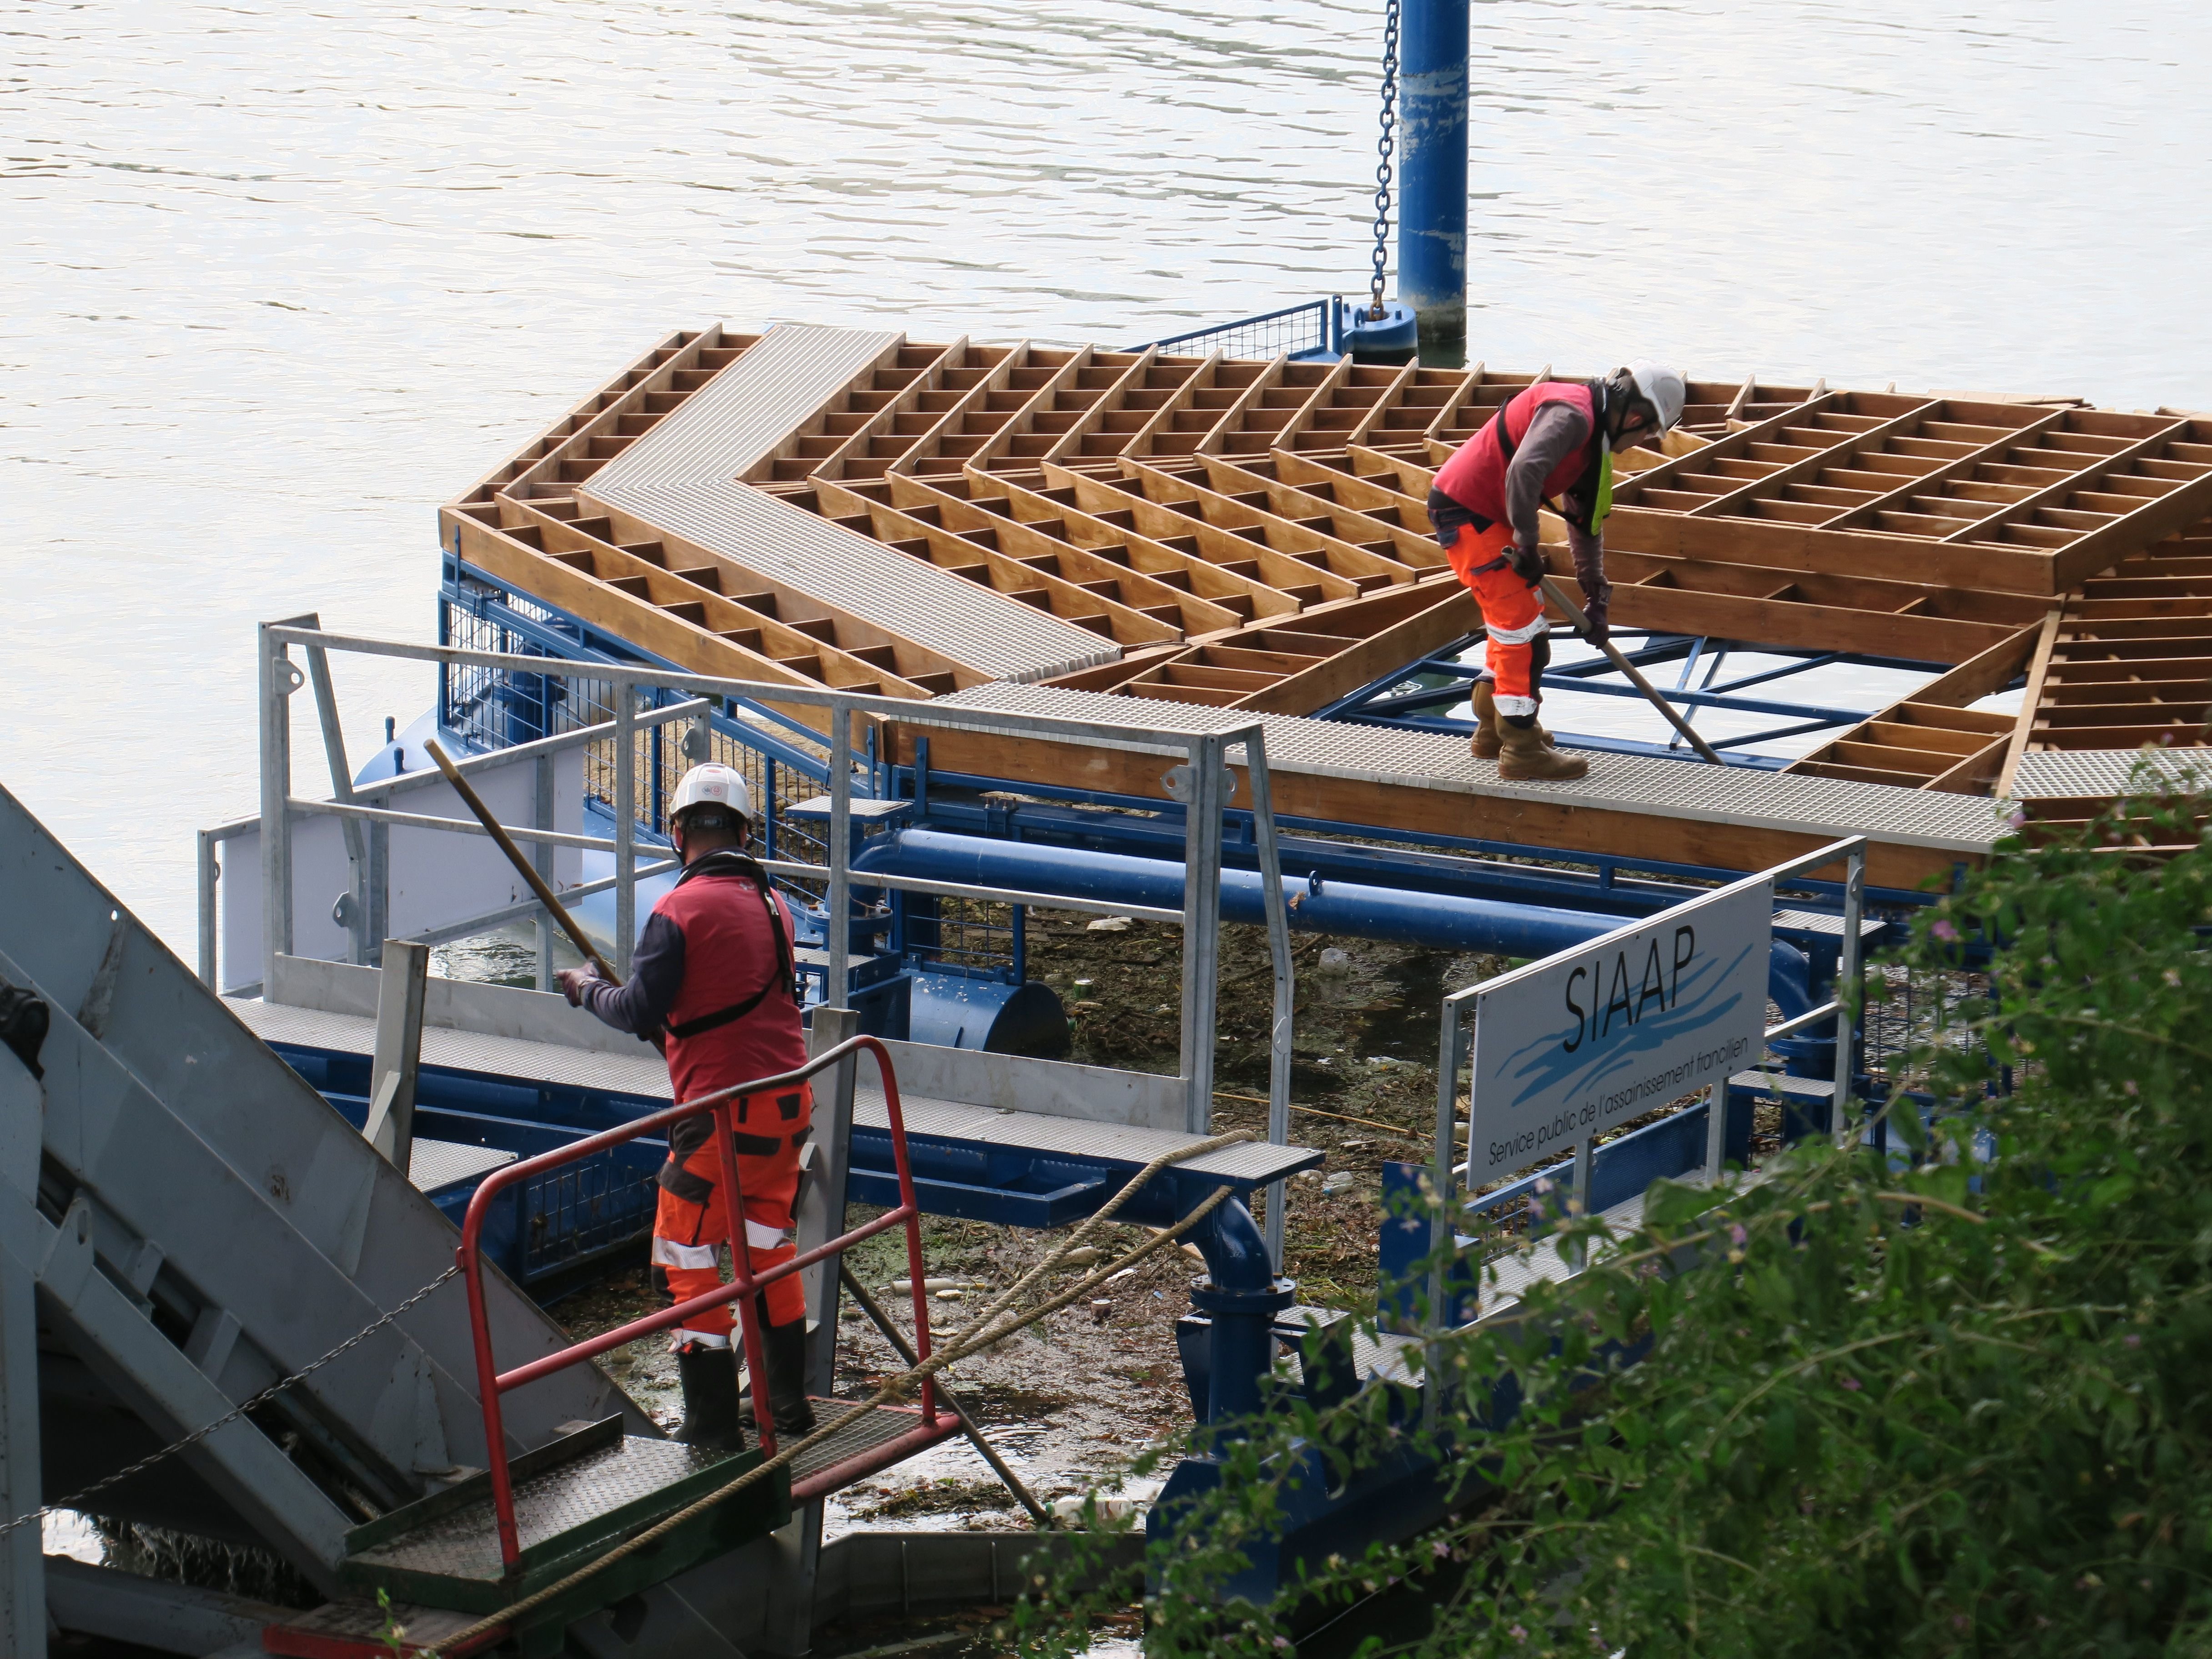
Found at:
[75, 1500]
[1385, 148]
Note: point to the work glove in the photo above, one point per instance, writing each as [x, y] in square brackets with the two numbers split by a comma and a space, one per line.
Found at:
[1528, 561]
[1595, 608]
[572, 981]
[1597, 592]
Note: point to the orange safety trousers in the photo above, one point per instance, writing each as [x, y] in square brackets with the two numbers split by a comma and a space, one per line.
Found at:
[688, 1237]
[1512, 614]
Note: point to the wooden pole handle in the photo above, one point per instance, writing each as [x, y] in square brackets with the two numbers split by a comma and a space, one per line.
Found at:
[1575, 615]
[523, 867]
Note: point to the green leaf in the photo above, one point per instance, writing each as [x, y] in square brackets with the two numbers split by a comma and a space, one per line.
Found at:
[2112, 1189]
[1782, 1435]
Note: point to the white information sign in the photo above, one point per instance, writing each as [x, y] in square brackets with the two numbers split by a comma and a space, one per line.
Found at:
[1582, 1040]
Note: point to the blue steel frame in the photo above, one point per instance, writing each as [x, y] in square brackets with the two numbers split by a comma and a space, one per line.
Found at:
[1443, 677]
[1318, 849]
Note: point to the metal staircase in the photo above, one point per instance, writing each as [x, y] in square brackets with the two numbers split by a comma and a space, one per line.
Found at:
[198, 1224]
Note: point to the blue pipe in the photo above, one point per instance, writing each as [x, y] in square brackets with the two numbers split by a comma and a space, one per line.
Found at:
[1241, 1295]
[1433, 103]
[1439, 920]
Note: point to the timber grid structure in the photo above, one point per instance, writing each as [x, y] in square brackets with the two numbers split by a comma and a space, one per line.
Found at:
[1158, 632]
[1051, 528]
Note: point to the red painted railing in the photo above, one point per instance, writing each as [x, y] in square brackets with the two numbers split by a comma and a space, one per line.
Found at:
[492, 1383]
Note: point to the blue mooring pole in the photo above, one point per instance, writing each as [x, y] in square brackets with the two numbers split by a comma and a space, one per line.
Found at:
[1432, 99]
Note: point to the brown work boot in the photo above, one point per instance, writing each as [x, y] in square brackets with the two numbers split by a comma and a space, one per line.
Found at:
[1485, 742]
[1526, 753]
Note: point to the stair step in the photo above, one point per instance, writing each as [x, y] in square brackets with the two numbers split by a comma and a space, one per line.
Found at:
[574, 1498]
[356, 1630]
[1816, 921]
[1780, 1083]
[887, 1435]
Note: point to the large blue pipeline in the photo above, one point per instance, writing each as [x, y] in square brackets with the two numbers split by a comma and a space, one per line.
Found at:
[1441, 921]
[1444, 922]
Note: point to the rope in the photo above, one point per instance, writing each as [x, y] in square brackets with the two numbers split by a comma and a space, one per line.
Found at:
[1385, 147]
[75, 1500]
[970, 1339]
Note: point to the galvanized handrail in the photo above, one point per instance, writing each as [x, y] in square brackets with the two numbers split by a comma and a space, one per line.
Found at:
[1202, 783]
[492, 1383]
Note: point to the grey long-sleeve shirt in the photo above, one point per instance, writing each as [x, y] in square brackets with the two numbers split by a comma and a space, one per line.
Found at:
[1558, 431]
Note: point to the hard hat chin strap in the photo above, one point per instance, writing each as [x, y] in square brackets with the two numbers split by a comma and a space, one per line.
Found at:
[1621, 401]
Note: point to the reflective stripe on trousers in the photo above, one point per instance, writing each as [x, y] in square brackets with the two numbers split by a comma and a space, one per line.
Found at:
[1512, 615]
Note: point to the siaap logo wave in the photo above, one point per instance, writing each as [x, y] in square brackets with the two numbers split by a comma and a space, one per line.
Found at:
[1635, 998]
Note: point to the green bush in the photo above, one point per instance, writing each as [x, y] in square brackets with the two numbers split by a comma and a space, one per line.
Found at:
[1950, 1400]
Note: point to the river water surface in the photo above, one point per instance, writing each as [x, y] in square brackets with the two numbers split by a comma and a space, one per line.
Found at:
[279, 277]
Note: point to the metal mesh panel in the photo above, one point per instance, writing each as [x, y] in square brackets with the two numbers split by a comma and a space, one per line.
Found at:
[1907, 1012]
[494, 708]
[583, 1208]
[1294, 329]
[965, 933]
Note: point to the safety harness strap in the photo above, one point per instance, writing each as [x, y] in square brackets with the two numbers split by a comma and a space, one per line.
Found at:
[735, 863]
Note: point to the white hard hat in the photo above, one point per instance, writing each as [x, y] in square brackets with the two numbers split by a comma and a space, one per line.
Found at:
[714, 784]
[1661, 387]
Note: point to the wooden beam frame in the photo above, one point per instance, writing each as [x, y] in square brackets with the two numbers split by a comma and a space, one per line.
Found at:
[2038, 667]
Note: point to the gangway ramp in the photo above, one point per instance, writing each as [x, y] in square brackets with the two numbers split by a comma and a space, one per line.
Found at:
[199, 1223]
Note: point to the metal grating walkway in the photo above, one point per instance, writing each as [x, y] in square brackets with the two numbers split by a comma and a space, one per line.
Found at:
[646, 1077]
[1621, 783]
[595, 1488]
[685, 476]
[2076, 773]
[435, 1164]
[887, 1435]
[1077, 1139]
[735, 421]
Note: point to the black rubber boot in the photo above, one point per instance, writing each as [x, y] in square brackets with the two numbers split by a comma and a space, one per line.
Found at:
[786, 1347]
[710, 1398]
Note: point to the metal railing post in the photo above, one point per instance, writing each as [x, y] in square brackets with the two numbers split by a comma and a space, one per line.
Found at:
[380, 870]
[1576, 1254]
[334, 756]
[1848, 972]
[279, 677]
[838, 936]
[1444, 1191]
[1201, 791]
[542, 857]
[821, 1206]
[625, 823]
[205, 871]
[1278, 949]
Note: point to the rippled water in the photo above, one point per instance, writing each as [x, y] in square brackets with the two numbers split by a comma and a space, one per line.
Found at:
[279, 277]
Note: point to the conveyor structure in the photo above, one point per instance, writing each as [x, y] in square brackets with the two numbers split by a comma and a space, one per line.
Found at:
[195, 1226]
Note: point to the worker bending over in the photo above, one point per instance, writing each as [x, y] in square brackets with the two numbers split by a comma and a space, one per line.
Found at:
[1550, 441]
[714, 972]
